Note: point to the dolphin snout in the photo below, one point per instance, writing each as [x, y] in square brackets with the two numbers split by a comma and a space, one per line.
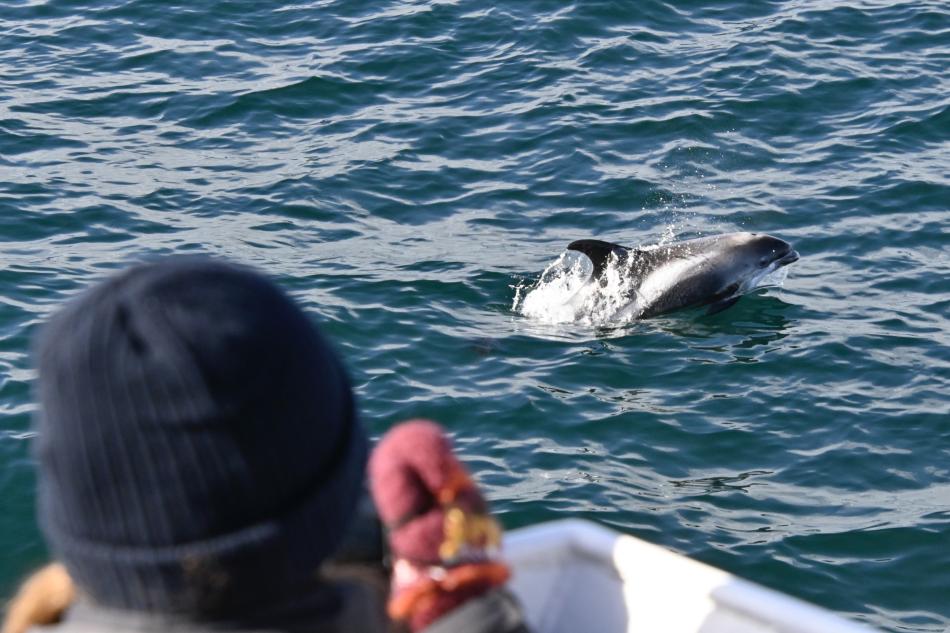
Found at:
[777, 253]
[788, 258]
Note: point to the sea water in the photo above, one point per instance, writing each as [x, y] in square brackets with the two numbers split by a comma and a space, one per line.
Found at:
[403, 166]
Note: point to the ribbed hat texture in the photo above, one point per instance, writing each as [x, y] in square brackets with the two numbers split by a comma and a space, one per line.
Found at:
[197, 440]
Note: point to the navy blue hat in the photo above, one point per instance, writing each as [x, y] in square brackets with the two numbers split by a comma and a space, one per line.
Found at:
[197, 441]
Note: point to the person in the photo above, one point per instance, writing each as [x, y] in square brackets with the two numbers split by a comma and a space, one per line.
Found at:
[200, 464]
[199, 458]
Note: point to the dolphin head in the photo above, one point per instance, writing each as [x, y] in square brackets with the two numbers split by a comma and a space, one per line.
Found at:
[749, 258]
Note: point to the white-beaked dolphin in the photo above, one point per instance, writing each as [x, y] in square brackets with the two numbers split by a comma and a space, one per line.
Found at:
[710, 271]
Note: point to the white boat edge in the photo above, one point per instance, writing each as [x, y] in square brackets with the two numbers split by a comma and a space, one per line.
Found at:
[574, 575]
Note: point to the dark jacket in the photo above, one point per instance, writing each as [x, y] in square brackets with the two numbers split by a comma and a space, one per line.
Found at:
[357, 611]
[345, 608]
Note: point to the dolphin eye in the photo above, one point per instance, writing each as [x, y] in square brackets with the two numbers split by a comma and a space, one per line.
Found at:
[763, 262]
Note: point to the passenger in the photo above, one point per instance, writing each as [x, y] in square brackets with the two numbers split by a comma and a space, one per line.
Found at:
[446, 576]
[199, 458]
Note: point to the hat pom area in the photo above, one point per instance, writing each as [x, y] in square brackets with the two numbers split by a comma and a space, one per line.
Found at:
[444, 542]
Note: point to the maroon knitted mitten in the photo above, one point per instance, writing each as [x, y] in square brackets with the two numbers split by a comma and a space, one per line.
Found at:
[443, 540]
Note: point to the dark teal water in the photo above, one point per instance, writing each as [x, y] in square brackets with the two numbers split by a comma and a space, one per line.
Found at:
[403, 166]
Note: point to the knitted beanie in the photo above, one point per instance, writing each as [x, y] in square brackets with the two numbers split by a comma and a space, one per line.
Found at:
[441, 536]
[197, 443]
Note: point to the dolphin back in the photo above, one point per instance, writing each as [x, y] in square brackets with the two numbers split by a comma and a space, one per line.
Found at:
[598, 252]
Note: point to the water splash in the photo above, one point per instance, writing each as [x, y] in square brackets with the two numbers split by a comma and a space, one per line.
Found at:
[669, 234]
[564, 294]
[550, 300]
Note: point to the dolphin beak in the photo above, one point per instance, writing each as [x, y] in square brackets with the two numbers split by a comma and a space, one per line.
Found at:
[788, 258]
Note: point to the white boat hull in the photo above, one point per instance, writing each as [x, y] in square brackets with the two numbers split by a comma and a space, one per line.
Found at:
[575, 576]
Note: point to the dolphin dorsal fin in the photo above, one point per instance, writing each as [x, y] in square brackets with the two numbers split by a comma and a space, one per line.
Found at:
[598, 252]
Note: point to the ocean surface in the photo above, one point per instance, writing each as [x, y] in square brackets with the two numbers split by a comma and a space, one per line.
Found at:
[407, 169]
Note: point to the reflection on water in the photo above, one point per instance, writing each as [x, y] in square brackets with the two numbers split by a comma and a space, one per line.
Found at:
[721, 483]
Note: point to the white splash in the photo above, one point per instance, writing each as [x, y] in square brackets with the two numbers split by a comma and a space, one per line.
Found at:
[549, 300]
[563, 294]
[669, 235]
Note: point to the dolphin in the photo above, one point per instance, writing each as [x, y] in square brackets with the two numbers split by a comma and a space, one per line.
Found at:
[710, 271]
